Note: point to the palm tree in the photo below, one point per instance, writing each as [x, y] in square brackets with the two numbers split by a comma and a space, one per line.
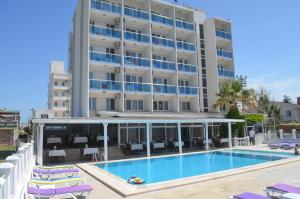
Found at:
[248, 99]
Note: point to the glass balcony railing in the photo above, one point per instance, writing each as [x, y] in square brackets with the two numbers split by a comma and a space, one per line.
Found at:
[136, 13]
[186, 90]
[101, 5]
[161, 88]
[137, 87]
[104, 31]
[137, 37]
[223, 34]
[163, 42]
[105, 57]
[187, 68]
[162, 19]
[226, 73]
[224, 53]
[137, 61]
[105, 85]
[184, 25]
[163, 65]
[185, 46]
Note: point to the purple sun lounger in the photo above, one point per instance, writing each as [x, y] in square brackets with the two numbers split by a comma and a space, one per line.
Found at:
[53, 192]
[48, 173]
[248, 195]
[281, 189]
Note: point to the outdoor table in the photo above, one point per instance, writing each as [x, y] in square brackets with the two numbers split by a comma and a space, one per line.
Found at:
[101, 138]
[57, 153]
[91, 151]
[158, 145]
[78, 140]
[54, 140]
[290, 196]
[176, 144]
[136, 147]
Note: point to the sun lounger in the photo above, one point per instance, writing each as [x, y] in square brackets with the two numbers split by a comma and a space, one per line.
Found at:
[53, 192]
[48, 173]
[55, 167]
[248, 195]
[281, 188]
[71, 180]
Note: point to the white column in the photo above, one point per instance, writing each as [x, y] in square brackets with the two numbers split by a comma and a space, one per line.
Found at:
[105, 141]
[40, 144]
[179, 137]
[294, 133]
[281, 134]
[148, 139]
[229, 135]
[119, 135]
[206, 136]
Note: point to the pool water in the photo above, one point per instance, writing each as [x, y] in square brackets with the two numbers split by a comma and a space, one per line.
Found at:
[161, 169]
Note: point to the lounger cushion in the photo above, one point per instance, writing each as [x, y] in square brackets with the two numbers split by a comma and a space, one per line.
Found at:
[57, 191]
[285, 188]
[55, 171]
[248, 195]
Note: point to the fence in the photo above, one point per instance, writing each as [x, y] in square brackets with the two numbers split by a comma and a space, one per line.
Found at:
[15, 173]
[292, 136]
[245, 141]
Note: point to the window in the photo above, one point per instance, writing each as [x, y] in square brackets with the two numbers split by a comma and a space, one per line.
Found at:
[92, 103]
[55, 83]
[134, 105]
[110, 76]
[185, 106]
[183, 82]
[134, 78]
[201, 27]
[63, 83]
[110, 104]
[204, 82]
[55, 104]
[160, 105]
[288, 113]
[91, 75]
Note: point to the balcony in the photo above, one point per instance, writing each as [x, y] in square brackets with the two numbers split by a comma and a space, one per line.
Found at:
[136, 13]
[162, 19]
[104, 31]
[187, 68]
[164, 89]
[184, 25]
[105, 85]
[137, 37]
[224, 53]
[186, 90]
[100, 5]
[137, 87]
[163, 42]
[164, 65]
[186, 46]
[137, 61]
[105, 57]
[226, 73]
[223, 34]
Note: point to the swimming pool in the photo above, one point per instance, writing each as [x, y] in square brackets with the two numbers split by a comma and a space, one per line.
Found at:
[154, 170]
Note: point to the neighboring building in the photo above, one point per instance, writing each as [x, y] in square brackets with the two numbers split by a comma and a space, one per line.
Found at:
[9, 126]
[133, 57]
[58, 90]
[289, 111]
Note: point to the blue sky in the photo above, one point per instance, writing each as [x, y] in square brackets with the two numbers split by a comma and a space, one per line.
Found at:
[34, 32]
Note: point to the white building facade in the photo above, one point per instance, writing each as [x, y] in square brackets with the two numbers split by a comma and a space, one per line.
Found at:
[58, 90]
[147, 57]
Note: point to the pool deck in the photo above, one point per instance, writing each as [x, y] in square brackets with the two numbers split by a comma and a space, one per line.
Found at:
[218, 185]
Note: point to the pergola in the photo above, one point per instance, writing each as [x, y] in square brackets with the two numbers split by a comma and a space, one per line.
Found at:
[38, 128]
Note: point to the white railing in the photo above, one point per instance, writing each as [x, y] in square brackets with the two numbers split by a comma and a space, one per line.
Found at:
[16, 172]
[241, 141]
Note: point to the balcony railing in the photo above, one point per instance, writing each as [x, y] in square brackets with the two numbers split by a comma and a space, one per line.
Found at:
[136, 13]
[166, 89]
[137, 37]
[184, 25]
[105, 57]
[185, 46]
[100, 5]
[137, 61]
[187, 68]
[163, 42]
[164, 65]
[137, 87]
[223, 34]
[224, 53]
[186, 90]
[105, 85]
[162, 19]
[226, 73]
[104, 31]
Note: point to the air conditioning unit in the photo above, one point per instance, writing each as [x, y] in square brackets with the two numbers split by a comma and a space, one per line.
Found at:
[117, 21]
[117, 44]
[117, 70]
[118, 96]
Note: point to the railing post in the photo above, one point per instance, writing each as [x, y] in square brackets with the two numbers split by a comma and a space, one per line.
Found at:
[6, 171]
[235, 143]
[281, 134]
[294, 133]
